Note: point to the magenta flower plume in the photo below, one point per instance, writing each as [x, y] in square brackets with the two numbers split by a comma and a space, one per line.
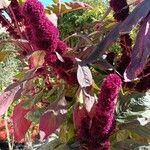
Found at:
[94, 132]
[44, 34]
[107, 103]
[33, 10]
[121, 9]
[61, 47]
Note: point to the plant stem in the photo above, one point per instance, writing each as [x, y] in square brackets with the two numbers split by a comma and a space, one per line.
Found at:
[7, 131]
[16, 22]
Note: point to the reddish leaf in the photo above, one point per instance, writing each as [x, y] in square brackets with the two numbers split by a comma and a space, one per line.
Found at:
[52, 118]
[37, 59]
[84, 76]
[140, 53]
[7, 97]
[78, 114]
[20, 123]
[135, 17]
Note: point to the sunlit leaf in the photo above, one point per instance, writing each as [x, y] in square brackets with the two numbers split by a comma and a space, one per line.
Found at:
[21, 1]
[135, 17]
[84, 76]
[37, 59]
[4, 3]
[122, 135]
[4, 55]
[11, 93]
[133, 106]
[89, 99]
[67, 7]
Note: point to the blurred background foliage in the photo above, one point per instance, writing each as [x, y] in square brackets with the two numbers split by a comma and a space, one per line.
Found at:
[9, 64]
[82, 21]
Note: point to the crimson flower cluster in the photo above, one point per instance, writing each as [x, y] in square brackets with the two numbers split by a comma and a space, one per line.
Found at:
[43, 35]
[95, 131]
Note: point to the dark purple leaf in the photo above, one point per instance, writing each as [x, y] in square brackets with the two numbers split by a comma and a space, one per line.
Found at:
[102, 46]
[139, 13]
[84, 76]
[52, 118]
[140, 53]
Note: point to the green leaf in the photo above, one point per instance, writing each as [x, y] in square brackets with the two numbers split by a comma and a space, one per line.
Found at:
[51, 145]
[62, 147]
[122, 135]
[56, 1]
[21, 2]
[127, 144]
[134, 126]
[132, 106]
[34, 115]
[66, 132]
[32, 101]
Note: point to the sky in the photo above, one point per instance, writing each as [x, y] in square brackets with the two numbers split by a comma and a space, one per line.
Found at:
[47, 2]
